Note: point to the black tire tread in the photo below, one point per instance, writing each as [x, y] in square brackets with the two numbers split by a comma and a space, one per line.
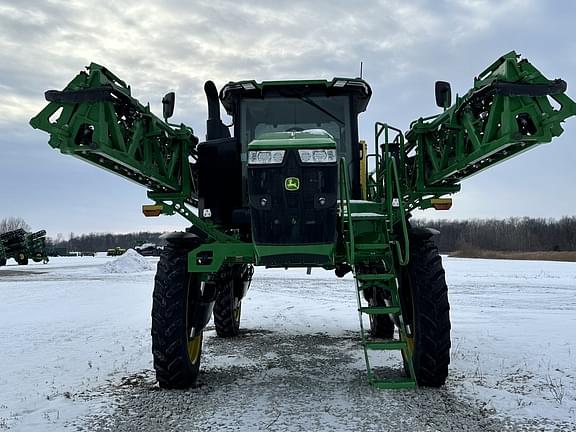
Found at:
[224, 322]
[431, 314]
[169, 339]
[381, 326]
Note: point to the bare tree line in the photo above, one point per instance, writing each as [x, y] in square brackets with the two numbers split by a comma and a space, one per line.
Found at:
[13, 223]
[513, 234]
[98, 242]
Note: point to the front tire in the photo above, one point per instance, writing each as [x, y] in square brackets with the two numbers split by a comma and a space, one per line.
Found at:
[427, 313]
[22, 259]
[228, 306]
[176, 345]
[227, 311]
[381, 326]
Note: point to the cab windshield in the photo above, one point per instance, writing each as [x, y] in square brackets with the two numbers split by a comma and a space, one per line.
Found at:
[332, 114]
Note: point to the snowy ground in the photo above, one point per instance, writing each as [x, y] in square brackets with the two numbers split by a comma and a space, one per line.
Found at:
[75, 353]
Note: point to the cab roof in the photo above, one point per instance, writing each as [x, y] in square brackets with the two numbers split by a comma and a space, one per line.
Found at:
[359, 89]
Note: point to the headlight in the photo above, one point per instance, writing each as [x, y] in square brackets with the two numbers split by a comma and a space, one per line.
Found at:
[262, 157]
[317, 155]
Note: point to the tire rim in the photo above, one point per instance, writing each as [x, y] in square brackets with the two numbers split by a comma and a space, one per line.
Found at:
[410, 344]
[237, 309]
[194, 344]
[194, 347]
[412, 325]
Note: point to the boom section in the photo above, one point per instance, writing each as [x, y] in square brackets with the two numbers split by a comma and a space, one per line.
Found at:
[96, 119]
[511, 108]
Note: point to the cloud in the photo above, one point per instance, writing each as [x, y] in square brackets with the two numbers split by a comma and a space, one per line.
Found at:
[177, 45]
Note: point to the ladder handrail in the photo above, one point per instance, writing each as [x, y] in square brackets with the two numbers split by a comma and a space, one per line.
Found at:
[345, 198]
[403, 258]
[372, 188]
[391, 185]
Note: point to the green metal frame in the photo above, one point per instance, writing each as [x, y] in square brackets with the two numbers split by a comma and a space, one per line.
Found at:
[346, 225]
[125, 137]
[384, 252]
[209, 257]
[482, 128]
[139, 147]
[511, 108]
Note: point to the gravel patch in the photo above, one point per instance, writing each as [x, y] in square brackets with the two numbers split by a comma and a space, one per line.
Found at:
[266, 381]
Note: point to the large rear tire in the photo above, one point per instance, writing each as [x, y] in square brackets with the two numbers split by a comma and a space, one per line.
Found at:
[176, 345]
[427, 313]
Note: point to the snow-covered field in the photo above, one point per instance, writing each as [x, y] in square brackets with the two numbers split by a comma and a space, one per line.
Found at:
[75, 353]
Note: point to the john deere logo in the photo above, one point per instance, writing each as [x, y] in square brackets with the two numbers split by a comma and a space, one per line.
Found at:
[292, 183]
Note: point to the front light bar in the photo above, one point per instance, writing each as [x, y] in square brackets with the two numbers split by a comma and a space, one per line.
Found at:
[276, 157]
[262, 157]
[317, 155]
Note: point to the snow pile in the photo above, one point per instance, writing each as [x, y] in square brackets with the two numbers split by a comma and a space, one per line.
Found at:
[130, 262]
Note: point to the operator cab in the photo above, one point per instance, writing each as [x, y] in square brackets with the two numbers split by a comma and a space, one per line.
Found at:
[293, 106]
[277, 177]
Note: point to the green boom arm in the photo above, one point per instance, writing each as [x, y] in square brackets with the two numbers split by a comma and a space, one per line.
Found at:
[97, 120]
[511, 108]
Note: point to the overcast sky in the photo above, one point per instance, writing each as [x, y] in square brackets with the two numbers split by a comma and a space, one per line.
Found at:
[177, 45]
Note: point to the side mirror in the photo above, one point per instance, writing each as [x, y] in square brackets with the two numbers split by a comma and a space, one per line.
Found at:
[443, 94]
[168, 105]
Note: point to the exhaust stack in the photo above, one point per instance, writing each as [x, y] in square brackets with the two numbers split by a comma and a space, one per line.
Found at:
[215, 129]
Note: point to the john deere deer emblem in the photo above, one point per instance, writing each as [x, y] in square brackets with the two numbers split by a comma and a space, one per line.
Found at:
[292, 183]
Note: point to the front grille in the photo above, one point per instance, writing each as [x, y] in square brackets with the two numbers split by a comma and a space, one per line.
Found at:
[303, 216]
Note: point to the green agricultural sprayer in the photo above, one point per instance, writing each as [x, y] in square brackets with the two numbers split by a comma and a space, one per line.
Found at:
[293, 186]
[23, 246]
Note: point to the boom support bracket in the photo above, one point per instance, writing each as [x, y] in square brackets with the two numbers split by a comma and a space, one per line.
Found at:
[511, 108]
[96, 119]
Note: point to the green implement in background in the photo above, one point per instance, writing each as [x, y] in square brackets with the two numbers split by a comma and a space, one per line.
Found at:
[23, 246]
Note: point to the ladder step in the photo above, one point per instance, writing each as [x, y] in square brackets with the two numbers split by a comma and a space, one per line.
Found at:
[385, 345]
[382, 277]
[367, 216]
[380, 310]
[396, 383]
[375, 284]
[370, 246]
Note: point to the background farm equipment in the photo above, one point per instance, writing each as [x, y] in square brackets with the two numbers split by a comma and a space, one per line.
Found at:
[23, 246]
[301, 190]
[117, 251]
[148, 249]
